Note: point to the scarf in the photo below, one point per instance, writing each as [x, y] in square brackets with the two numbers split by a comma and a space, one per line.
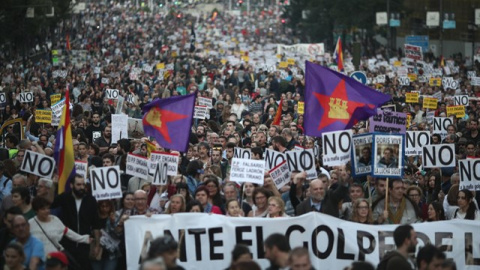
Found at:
[397, 217]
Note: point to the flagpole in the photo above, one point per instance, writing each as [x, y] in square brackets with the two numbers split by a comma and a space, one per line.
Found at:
[386, 196]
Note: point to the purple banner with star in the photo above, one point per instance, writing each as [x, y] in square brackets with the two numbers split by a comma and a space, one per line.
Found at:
[169, 121]
[334, 101]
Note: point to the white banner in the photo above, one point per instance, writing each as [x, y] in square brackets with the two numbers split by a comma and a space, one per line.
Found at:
[137, 166]
[81, 168]
[311, 50]
[106, 183]
[469, 174]
[439, 156]
[415, 141]
[119, 127]
[38, 164]
[206, 241]
[336, 147]
[247, 170]
[169, 158]
[280, 175]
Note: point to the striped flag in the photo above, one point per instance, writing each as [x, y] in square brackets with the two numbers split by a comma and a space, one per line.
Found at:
[64, 155]
[278, 114]
[339, 55]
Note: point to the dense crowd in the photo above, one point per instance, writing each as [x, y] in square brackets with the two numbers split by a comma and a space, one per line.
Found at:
[232, 60]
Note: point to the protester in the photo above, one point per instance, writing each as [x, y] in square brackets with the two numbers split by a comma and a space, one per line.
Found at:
[277, 249]
[405, 239]
[299, 259]
[166, 248]
[362, 213]
[466, 207]
[33, 248]
[14, 256]
[430, 257]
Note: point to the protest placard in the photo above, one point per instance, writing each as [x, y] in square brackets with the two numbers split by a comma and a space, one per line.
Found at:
[119, 127]
[475, 81]
[362, 154]
[430, 103]
[415, 141]
[38, 164]
[105, 183]
[469, 174]
[403, 80]
[160, 174]
[81, 168]
[449, 83]
[302, 160]
[336, 147]
[137, 166]
[412, 97]
[458, 111]
[135, 128]
[247, 170]
[388, 153]
[273, 158]
[171, 159]
[413, 52]
[43, 116]
[438, 156]
[200, 112]
[26, 97]
[460, 100]
[245, 153]
[57, 108]
[280, 175]
[388, 121]
[112, 93]
[54, 98]
[3, 100]
[301, 107]
[440, 125]
[435, 81]
[203, 101]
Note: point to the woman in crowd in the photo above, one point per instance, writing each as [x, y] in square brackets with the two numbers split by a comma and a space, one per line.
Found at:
[109, 241]
[121, 215]
[177, 204]
[233, 208]
[433, 187]
[260, 201]
[466, 206]
[50, 229]
[450, 202]
[435, 212]
[182, 189]
[362, 213]
[415, 194]
[238, 107]
[214, 196]
[194, 206]
[247, 189]
[201, 195]
[21, 198]
[276, 207]
[14, 257]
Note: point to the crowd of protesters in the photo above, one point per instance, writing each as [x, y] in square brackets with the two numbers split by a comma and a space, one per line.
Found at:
[245, 96]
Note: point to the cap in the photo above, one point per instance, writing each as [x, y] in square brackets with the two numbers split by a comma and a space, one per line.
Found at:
[54, 258]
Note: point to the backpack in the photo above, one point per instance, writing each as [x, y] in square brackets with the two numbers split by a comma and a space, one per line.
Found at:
[384, 262]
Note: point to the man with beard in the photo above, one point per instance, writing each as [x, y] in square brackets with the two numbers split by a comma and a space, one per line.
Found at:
[105, 140]
[93, 131]
[78, 212]
[279, 144]
[405, 239]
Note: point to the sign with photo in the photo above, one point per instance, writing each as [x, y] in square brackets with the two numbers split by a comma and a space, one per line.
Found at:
[388, 152]
[362, 154]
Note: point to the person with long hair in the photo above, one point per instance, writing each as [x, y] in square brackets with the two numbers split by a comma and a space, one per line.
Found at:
[260, 201]
[435, 212]
[201, 195]
[362, 213]
[121, 215]
[247, 192]
[14, 257]
[109, 240]
[233, 209]
[213, 187]
[276, 207]
[466, 206]
[177, 204]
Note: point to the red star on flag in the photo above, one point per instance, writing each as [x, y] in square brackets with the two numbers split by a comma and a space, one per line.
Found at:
[159, 118]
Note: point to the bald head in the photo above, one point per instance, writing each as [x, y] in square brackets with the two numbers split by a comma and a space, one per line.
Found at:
[317, 190]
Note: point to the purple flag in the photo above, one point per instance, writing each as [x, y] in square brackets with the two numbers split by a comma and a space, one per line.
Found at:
[169, 121]
[334, 101]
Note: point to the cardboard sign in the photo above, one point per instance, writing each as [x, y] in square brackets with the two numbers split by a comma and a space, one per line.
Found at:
[362, 154]
[160, 66]
[26, 97]
[435, 81]
[55, 98]
[301, 107]
[302, 160]
[203, 101]
[244, 153]
[450, 83]
[43, 116]
[105, 182]
[461, 100]
[458, 111]
[413, 52]
[57, 108]
[415, 141]
[336, 147]
[81, 168]
[119, 127]
[388, 151]
[112, 93]
[247, 170]
[137, 166]
[200, 112]
[273, 158]
[163, 157]
[469, 174]
[283, 65]
[412, 97]
[38, 164]
[160, 175]
[430, 103]
[388, 122]
[439, 156]
[280, 175]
